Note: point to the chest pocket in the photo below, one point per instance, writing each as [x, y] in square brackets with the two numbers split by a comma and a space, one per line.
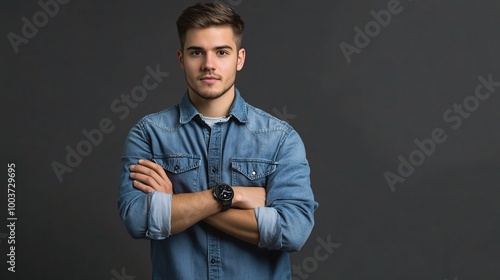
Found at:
[182, 170]
[251, 172]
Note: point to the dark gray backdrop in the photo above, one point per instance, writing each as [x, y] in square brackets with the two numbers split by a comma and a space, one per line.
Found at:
[360, 116]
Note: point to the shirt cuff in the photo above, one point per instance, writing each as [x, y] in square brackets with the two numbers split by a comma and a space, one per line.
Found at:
[269, 230]
[159, 206]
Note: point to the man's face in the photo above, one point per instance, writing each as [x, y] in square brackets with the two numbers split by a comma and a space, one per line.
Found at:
[210, 60]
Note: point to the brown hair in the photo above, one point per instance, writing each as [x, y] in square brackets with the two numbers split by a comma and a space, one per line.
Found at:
[204, 15]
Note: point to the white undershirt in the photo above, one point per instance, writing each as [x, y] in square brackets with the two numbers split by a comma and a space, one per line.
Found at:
[210, 121]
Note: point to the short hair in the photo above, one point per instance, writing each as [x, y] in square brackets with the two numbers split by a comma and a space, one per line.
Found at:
[204, 15]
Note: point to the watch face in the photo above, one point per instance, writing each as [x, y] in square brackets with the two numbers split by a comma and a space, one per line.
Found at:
[224, 192]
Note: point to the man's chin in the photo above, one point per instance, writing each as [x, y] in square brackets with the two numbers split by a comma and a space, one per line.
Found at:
[209, 95]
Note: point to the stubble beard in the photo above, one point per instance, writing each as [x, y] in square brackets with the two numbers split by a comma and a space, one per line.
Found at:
[210, 95]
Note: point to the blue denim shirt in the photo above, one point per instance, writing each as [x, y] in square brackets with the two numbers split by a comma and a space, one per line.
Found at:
[252, 148]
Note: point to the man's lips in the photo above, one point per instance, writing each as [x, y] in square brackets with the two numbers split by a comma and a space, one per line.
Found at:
[209, 79]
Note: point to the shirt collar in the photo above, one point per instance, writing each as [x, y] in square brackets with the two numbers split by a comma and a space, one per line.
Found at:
[238, 108]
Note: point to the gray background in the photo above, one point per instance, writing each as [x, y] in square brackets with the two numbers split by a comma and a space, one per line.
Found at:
[355, 118]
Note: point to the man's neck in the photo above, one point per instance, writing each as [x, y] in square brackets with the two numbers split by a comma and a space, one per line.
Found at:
[218, 107]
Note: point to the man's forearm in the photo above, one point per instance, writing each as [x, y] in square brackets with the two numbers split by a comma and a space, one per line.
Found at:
[240, 223]
[190, 208]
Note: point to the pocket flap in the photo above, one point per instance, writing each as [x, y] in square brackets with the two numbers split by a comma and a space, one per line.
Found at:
[177, 163]
[253, 168]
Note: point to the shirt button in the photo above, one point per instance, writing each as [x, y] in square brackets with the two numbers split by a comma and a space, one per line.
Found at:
[176, 167]
[253, 172]
[214, 169]
[212, 261]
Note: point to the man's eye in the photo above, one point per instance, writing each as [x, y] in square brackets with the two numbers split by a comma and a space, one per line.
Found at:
[221, 52]
[196, 53]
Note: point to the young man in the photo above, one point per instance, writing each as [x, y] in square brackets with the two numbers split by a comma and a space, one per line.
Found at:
[220, 187]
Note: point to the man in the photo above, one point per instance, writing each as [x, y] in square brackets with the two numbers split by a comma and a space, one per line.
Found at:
[220, 187]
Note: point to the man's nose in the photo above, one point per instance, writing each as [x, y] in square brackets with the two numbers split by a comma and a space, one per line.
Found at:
[209, 63]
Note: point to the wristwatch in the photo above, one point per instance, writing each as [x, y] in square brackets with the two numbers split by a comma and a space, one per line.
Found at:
[224, 194]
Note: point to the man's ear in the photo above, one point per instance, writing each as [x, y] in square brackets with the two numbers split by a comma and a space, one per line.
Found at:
[241, 59]
[180, 56]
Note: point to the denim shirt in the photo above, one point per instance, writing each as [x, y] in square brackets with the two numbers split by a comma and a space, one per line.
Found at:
[252, 148]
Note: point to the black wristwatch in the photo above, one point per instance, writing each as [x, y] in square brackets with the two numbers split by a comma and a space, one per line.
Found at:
[224, 194]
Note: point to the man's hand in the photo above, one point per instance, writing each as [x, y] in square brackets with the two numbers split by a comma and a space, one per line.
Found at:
[249, 197]
[149, 176]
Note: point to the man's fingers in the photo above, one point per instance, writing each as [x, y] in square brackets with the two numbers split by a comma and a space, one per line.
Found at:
[145, 175]
[152, 175]
[145, 179]
[142, 187]
[156, 167]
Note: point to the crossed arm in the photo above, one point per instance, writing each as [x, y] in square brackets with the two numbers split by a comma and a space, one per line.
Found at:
[191, 208]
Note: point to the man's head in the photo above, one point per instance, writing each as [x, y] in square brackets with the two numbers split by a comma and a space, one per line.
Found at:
[204, 15]
[210, 52]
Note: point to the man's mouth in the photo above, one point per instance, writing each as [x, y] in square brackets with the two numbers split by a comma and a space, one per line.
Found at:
[209, 79]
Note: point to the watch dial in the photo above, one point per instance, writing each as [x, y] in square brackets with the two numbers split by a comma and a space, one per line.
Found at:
[225, 192]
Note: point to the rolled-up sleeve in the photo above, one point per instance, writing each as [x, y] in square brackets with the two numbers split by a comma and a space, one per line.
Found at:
[144, 215]
[288, 218]
[159, 223]
[269, 229]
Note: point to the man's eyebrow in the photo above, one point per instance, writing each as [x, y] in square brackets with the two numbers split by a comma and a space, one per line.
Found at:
[196, 48]
[223, 47]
